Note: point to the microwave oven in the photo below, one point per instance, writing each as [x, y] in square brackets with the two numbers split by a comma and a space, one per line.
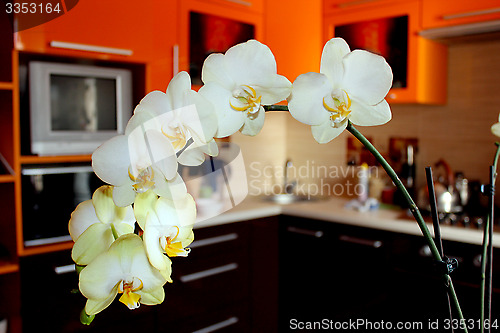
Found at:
[50, 193]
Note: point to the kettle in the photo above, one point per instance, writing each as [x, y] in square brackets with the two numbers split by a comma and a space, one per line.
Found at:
[447, 196]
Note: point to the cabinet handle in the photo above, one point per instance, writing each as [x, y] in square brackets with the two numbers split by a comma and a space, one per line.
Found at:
[214, 240]
[90, 48]
[55, 170]
[241, 2]
[218, 326]
[361, 241]
[175, 61]
[469, 14]
[65, 269]
[209, 272]
[307, 232]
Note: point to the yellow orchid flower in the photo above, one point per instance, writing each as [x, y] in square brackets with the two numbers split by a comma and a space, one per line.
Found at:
[93, 223]
[123, 269]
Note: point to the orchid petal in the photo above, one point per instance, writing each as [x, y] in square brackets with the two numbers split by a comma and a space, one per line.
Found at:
[94, 306]
[277, 90]
[250, 63]
[178, 213]
[331, 60]
[495, 129]
[152, 297]
[162, 153]
[81, 218]
[154, 251]
[367, 76]
[306, 101]
[229, 121]
[155, 102]
[370, 115]
[94, 241]
[144, 203]
[106, 210]
[171, 189]
[214, 69]
[177, 90]
[251, 126]
[325, 132]
[111, 161]
[124, 195]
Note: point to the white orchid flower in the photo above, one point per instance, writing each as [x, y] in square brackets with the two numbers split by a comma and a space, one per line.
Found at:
[185, 117]
[238, 83]
[93, 222]
[141, 159]
[168, 227]
[124, 269]
[495, 128]
[350, 86]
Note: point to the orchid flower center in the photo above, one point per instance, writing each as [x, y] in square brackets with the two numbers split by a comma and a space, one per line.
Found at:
[245, 99]
[144, 180]
[177, 134]
[339, 106]
[172, 247]
[127, 288]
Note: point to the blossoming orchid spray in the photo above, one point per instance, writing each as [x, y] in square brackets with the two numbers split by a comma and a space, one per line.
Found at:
[114, 254]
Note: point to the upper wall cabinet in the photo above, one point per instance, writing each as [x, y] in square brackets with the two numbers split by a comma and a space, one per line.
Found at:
[117, 30]
[212, 27]
[390, 28]
[110, 29]
[456, 12]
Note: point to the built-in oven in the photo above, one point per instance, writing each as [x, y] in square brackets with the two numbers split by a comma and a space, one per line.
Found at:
[50, 193]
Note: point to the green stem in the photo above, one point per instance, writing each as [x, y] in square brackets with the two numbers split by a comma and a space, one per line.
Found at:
[113, 230]
[486, 241]
[275, 107]
[413, 208]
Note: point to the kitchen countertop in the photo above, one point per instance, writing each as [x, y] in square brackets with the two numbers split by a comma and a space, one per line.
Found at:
[333, 210]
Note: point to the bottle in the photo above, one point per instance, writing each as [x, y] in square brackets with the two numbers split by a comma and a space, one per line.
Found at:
[363, 178]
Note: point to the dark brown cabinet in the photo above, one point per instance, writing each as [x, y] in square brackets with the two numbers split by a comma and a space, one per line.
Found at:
[341, 273]
[228, 283]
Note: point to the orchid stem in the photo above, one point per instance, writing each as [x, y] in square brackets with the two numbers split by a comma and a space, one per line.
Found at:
[487, 254]
[113, 230]
[414, 210]
[412, 206]
[275, 107]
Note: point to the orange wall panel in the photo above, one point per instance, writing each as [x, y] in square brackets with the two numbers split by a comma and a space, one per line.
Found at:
[294, 34]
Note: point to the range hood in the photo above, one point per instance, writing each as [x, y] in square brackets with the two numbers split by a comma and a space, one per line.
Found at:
[462, 30]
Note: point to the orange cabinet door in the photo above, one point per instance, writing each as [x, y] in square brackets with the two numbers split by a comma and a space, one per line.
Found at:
[218, 24]
[391, 28]
[111, 29]
[454, 12]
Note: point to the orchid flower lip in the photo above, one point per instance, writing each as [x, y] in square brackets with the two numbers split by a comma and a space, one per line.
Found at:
[247, 97]
[127, 288]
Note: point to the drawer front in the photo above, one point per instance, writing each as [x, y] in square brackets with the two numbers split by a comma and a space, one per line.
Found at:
[214, 275]
[222, 320]
[50, 300]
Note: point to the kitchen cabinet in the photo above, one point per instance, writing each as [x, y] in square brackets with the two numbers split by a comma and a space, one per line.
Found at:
[223, 22]
[330, 271]
[224, 283]
[444, 13]
[342, 273]
[391, 28]
[9, 264]
[121, 31]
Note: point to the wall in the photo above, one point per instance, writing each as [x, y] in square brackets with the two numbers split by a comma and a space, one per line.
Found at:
[459, 131]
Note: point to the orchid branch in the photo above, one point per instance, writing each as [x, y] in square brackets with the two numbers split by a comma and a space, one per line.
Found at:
[486, 261]
[414, 210]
